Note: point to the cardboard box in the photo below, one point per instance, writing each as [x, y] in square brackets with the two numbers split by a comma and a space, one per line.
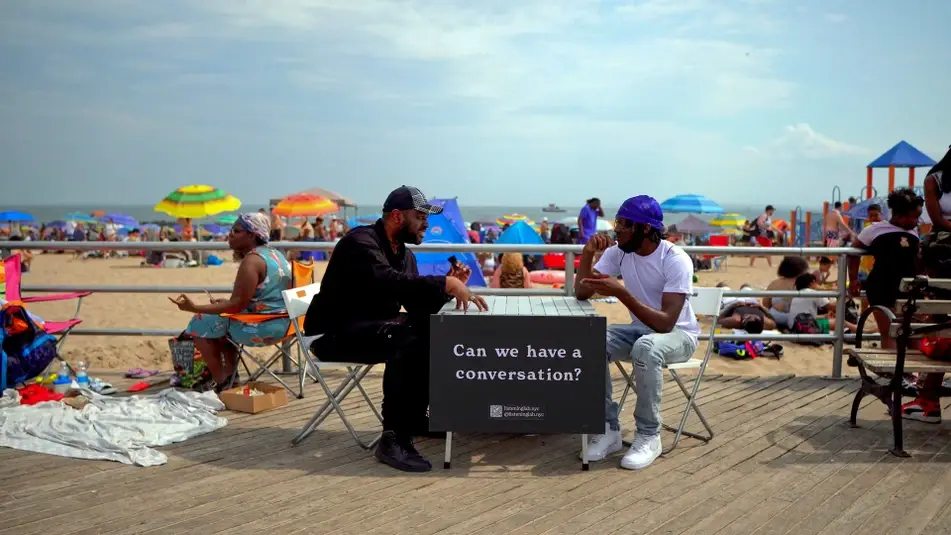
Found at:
[235, 400]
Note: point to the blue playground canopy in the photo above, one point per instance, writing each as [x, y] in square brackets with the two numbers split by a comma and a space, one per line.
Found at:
[903, 154]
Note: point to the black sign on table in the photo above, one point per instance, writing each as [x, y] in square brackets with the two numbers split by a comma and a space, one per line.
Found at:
[511, 371]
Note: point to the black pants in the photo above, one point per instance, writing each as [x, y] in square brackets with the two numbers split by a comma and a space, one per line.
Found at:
[403, 344]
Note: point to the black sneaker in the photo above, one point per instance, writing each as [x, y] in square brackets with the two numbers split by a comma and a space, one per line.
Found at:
[400, 454]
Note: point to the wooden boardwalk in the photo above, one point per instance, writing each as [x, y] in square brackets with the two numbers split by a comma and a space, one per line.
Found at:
[783, 461]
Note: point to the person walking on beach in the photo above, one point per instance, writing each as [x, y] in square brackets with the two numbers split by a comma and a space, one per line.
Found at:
[834, 227]
[588, 219]
[277, 225]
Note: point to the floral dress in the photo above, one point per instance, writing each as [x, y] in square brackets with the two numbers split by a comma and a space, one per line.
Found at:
[267, 299]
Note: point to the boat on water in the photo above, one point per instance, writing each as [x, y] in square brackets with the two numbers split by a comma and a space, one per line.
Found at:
[552, 207]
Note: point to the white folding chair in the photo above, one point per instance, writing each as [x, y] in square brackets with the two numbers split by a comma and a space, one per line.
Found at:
[705, 302]
[297, 301]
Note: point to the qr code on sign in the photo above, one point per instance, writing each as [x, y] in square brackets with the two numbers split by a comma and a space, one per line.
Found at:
[495, 411]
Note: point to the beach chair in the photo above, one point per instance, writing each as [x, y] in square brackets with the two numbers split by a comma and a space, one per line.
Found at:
[705, 302]
[302, 273]
[719, 262]
[59, 329]
[297, 302]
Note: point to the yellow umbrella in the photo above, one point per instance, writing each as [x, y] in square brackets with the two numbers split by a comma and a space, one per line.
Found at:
[729, 220]
[304, 205]
[197, 201]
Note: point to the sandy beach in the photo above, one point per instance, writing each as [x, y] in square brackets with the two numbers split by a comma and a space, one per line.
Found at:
[155, 311]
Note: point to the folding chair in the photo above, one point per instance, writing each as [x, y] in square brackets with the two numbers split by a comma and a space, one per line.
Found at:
[705, 302]
[59, 329]
[297, 301]
[718, 261]
[300, 273]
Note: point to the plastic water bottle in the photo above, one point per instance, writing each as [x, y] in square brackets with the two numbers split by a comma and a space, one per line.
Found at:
[62, 382]
[82, 375]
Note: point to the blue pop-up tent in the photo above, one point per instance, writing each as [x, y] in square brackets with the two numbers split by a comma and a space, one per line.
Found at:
[448, 227]
[520, 234]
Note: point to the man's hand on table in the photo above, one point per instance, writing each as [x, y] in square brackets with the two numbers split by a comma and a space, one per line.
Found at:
[605, 285]
[464, 296]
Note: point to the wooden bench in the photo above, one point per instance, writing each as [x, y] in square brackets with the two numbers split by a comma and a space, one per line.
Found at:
[892, 364]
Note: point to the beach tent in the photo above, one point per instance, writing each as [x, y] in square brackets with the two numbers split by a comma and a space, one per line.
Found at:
[520, 233]
[693, 225]
[448, 227]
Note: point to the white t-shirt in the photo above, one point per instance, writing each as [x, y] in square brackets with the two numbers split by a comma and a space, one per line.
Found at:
[110, 229]
[667, 270]
[805, 305]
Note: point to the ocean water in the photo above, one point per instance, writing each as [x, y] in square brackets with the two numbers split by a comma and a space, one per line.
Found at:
[144, 213]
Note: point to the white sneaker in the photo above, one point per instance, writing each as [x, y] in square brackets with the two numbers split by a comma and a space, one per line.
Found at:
[600, 446]
[642, 453]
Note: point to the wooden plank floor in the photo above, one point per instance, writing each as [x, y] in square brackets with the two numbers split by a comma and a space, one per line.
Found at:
[782, 461]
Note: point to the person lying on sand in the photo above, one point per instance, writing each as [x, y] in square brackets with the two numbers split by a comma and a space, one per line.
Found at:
[752, 317]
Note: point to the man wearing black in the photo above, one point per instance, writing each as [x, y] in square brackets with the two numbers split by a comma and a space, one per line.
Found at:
[370, 276]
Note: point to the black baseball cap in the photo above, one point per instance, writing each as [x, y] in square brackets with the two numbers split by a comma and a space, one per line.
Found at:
[409, 198]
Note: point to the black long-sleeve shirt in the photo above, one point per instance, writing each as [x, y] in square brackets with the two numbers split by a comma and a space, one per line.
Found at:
[366, 281]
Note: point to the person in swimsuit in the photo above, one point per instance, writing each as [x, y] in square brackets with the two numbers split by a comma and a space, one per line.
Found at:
[751, 317]
[834, 228]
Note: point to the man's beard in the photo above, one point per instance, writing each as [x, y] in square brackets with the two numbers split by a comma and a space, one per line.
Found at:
[633, 244]
[407, 236]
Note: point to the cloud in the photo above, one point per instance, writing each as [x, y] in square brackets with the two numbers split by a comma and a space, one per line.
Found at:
[835, 18]
[801, 140]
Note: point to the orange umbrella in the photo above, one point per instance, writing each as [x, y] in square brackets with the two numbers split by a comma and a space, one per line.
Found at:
[780, 224]
[304, 205]
[98, 213]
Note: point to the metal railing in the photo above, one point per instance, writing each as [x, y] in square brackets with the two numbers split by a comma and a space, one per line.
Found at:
[837, 337]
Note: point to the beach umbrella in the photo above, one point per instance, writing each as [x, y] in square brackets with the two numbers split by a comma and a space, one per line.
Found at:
[150, 226]
[215, 229]
[197, 201]
[16, 216]
[602, 225]
[691, 204]
[124, 220]
[520, 233]
[97, 213]
[693, 225]
[729, 220]
[304, 205]
[80, 217]
[510, 219]
[227, 219]
[57, 224]
[860, 210]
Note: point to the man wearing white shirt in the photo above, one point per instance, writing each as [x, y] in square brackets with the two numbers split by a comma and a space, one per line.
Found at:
[657, 282]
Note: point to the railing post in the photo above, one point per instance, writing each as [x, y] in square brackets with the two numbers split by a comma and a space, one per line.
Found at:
[569, 274]
[842, 280]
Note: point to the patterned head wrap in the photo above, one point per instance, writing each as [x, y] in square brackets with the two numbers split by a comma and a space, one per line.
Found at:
[257, 224]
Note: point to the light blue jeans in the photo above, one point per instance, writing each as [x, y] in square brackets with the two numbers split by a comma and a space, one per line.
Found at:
[649, 352]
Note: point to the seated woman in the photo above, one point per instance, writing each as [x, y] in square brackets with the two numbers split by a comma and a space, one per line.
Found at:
[789, 269]
[262, 275]
[752, 317]
[824, 272]
[821, 309]
[512, 273]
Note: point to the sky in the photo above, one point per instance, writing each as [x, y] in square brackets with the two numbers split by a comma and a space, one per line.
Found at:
[496, 102]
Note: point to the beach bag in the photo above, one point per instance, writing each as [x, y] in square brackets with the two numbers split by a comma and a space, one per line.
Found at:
[740, 350]
[25, 348]
[182, 348]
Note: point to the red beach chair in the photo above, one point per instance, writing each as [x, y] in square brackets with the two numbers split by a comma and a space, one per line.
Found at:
[59, 329]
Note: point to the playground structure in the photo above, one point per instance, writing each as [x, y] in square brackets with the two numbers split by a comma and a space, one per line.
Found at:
[806, 231]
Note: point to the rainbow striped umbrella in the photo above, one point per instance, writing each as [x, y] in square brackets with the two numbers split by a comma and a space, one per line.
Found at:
[197, 201]
[509, 219]
[304, 205]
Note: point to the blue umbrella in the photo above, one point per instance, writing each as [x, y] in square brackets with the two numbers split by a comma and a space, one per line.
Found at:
[361, 220]
[217, 230]
[150, 226]
[691, 204]
[120, 219]
[520, 233]
[56, 224]
[860, 210]
[16, 216]
[79, 216]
